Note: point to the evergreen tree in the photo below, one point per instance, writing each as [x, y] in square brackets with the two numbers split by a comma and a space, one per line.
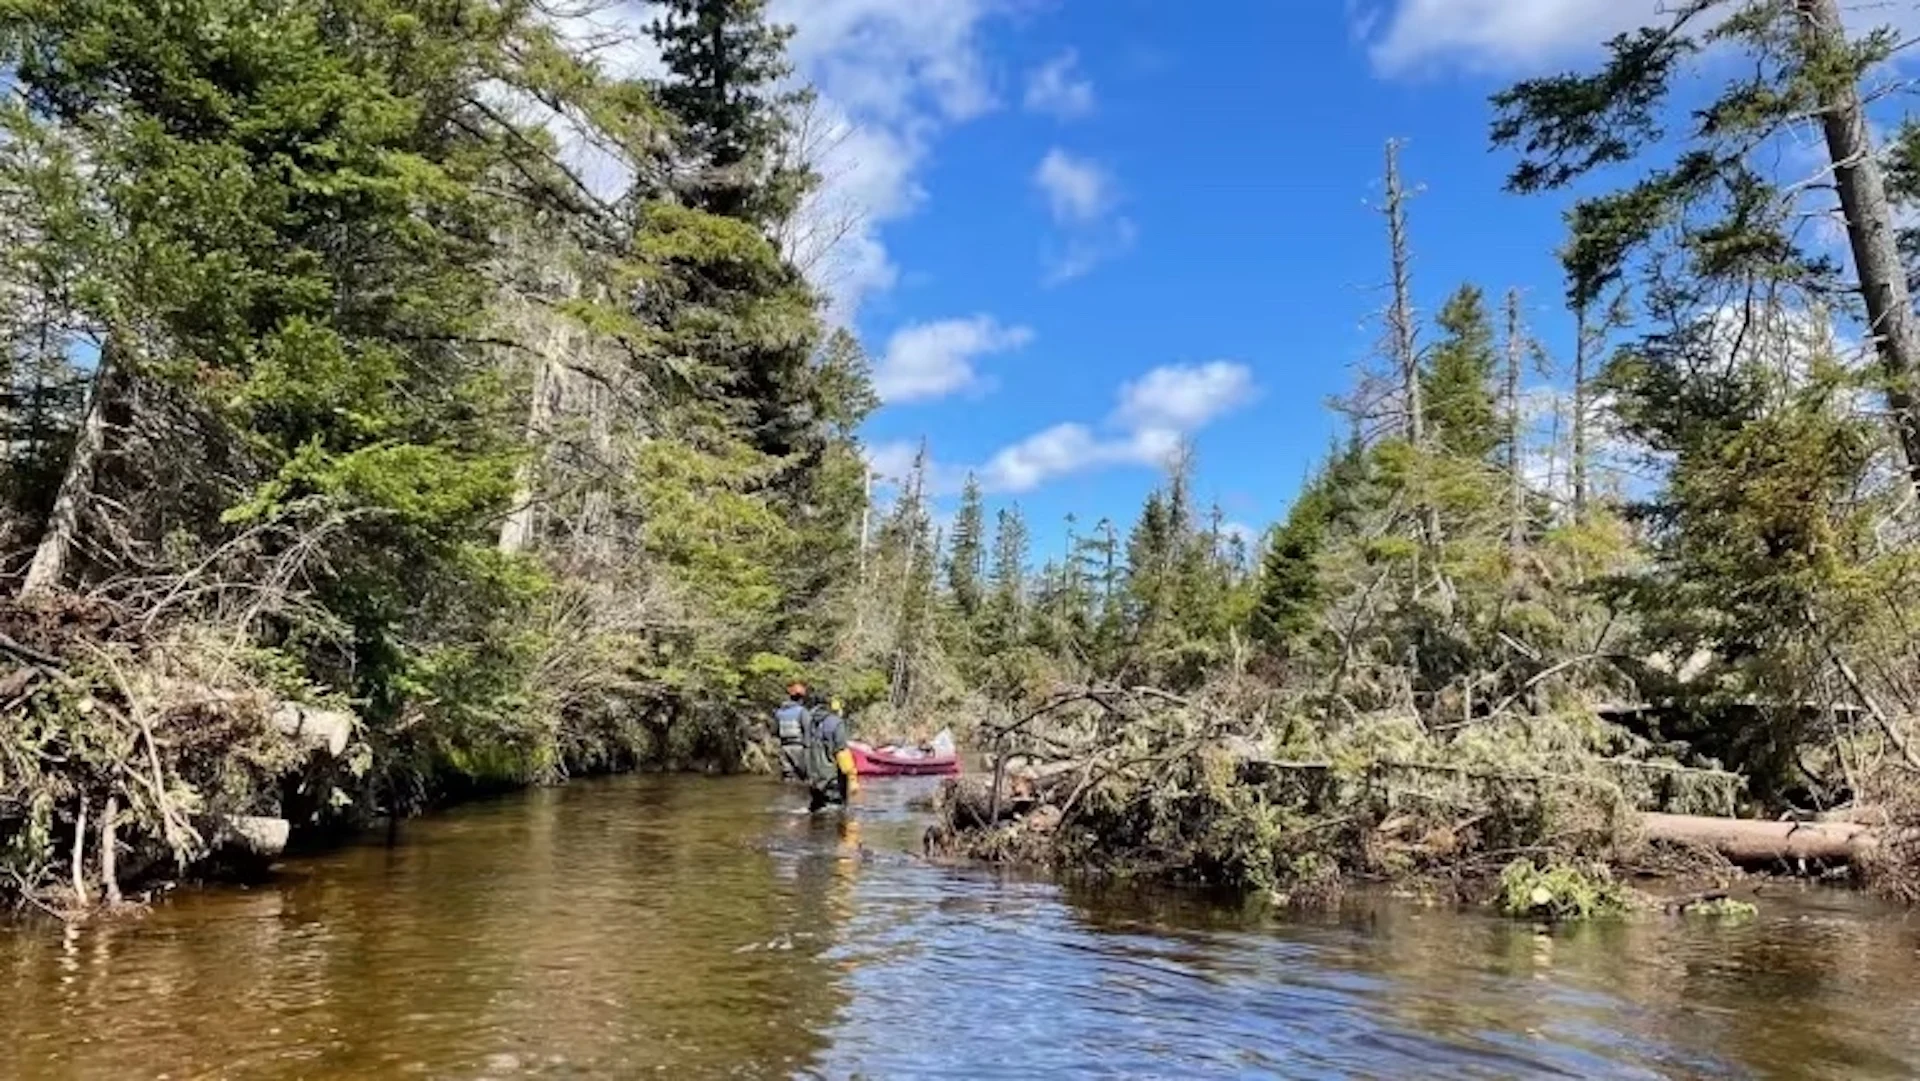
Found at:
[1007, 582]
[727, 66]
[1150, 552]
[1458, 380]
[1743, 223]
[1068, 605]
[908, 534]
[966, 554]
[1097, 559]
[1291, 589]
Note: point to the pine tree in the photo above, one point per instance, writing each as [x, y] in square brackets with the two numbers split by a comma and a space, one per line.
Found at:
[1458, 380]
[1006, 618]
[727, 66]
[1799, 63]
[966, 553]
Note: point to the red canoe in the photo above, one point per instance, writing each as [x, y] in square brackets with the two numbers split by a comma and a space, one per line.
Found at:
[900, 762]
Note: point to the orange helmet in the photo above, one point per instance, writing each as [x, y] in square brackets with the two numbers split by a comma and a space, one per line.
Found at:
[796, 689]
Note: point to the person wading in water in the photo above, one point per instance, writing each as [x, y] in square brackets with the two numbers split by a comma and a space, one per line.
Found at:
[790, 727]
[830, 774]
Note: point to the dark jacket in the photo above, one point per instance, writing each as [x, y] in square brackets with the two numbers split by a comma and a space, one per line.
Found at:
[826, 737]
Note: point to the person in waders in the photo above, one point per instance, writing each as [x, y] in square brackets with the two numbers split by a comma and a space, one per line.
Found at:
[790, 727]
[830, 774]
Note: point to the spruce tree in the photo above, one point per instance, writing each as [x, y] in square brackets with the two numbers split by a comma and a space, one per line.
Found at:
[1289, 594]
[727, 68]
[1007, 582]
[1709, 162]
[1150, 552]
[1458, 380]
[966, 552]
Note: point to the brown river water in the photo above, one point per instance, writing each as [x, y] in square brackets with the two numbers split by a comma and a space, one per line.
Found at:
[685, 927]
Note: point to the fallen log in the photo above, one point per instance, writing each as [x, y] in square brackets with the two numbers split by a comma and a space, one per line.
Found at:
[1754, 842]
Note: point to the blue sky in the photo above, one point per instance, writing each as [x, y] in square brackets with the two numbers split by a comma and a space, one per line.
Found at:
[1123, 224]
[1073, 232]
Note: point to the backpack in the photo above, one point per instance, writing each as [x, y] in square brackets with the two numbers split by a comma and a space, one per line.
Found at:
[822, 771]
[790, 722]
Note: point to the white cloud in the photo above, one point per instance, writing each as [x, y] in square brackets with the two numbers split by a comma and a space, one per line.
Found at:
[1055, 451]
[1184, 398]
[932, 360]
[1082, 196]
[1154, 414]
[1077, 190]
[1152, 417]
[1057, 88]
[891, 75]
[867, 180]
[1510, 36]
[1501, 35]
[895, 61]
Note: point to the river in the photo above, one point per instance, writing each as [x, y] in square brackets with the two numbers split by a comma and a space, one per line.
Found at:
[686, 927]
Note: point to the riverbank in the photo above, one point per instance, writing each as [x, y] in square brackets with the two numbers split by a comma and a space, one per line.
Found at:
[139, 753]
[1545, 815]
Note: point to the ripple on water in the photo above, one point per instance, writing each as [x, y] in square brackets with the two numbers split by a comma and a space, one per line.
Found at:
[693, 928]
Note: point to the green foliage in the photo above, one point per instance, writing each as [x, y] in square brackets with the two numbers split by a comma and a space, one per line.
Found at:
[1724, 908]
[310, 238]
[1560, 891]
[1006, 610]
[1734, 218]
[966, 551]
[1457, 381]
[1291, 591]
[726, 68]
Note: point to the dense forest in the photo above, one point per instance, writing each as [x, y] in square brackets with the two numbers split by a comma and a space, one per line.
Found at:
[337, 388]
[366, 446]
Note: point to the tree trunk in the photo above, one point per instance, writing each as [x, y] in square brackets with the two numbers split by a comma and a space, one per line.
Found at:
[1752, 842]
[1584, 341]
[1516, 483]
[49, 567]
[109, 874]
[80, 897]
[517, 532]
[1406, 356]
[1405, 347]
[1870, 230]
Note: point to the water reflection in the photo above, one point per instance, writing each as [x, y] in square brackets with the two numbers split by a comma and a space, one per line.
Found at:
[694, 928]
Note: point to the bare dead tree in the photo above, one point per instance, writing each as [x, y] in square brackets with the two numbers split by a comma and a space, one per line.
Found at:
[1516, 348]
[49, 567]
[1402, 334]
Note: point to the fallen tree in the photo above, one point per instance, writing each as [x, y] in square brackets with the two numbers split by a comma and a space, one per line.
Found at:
[1222, 787]
[1757, 843]
[132, 753]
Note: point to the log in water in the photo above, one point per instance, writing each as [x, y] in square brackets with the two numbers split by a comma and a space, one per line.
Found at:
[1757, 843]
